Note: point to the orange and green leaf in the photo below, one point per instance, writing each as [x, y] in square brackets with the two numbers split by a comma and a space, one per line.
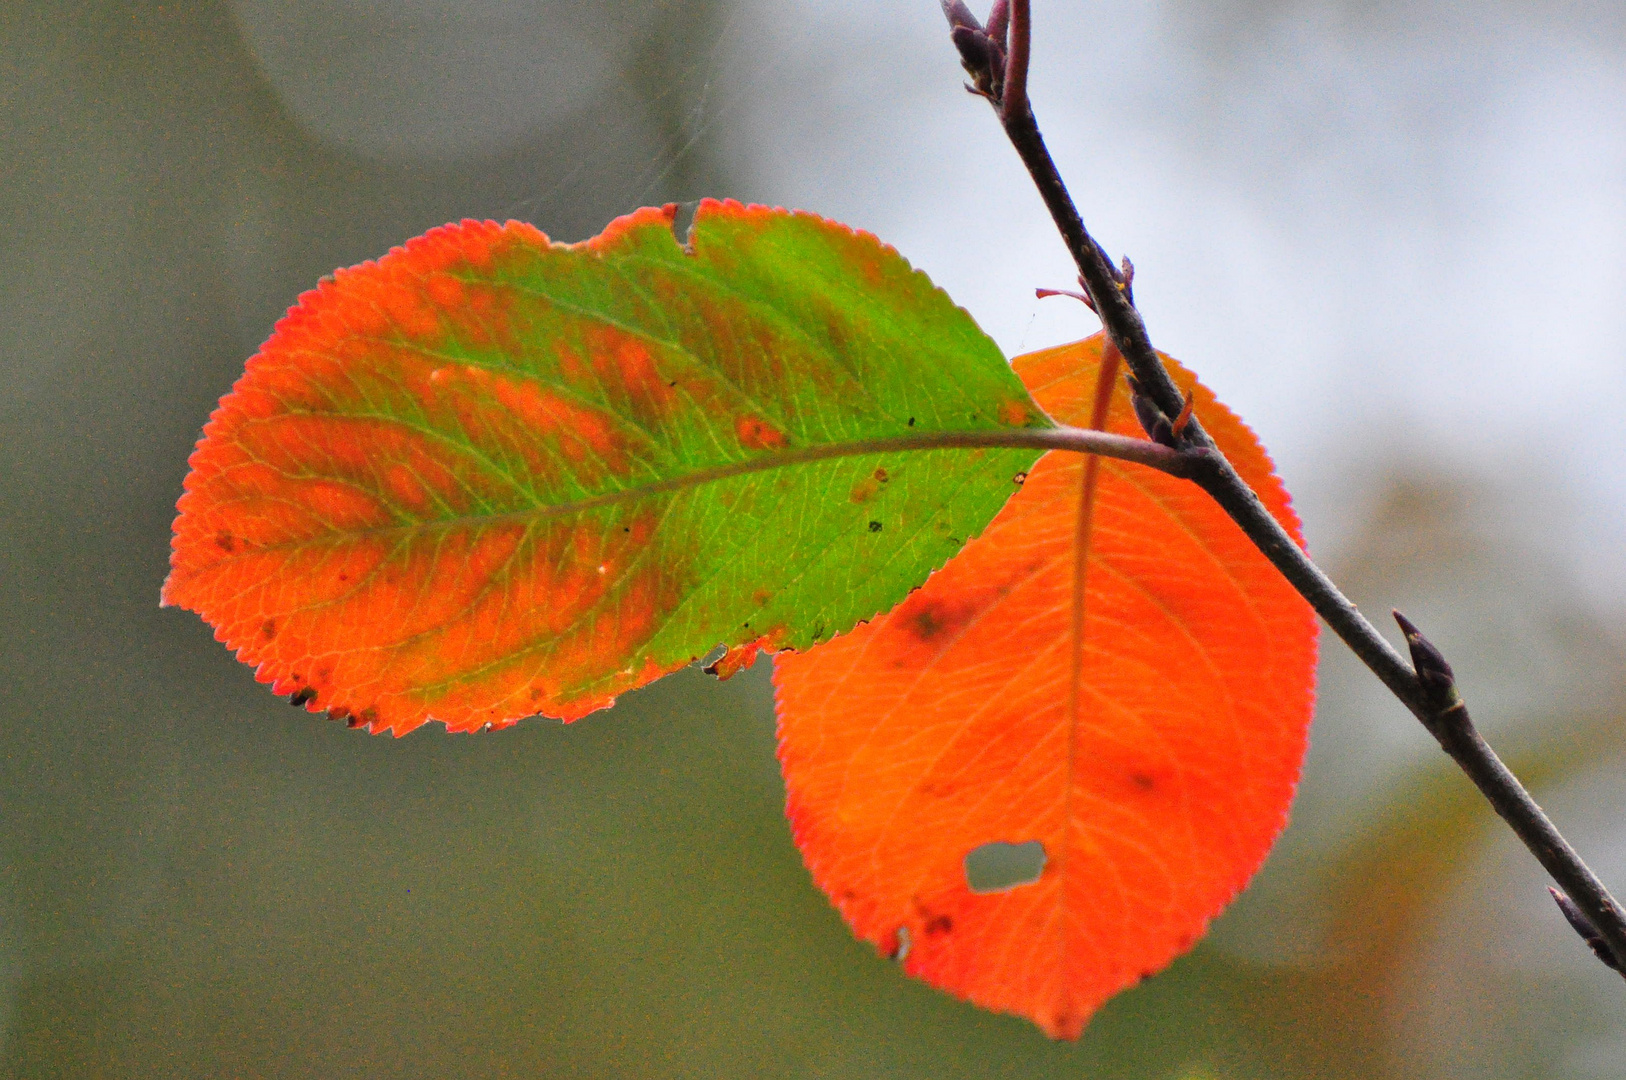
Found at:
[1144, 725]
[490, 476]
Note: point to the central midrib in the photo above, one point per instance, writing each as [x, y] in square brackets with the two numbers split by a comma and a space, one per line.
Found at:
[1059, 437]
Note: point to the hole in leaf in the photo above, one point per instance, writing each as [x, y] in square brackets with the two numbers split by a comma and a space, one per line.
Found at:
[682, 222]
[997, 866]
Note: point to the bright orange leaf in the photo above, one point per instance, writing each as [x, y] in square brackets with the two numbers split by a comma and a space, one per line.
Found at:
[1150, 741]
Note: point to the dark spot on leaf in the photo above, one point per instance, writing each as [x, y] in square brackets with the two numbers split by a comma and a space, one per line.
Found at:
[226, 542]
[344, 577]
[1020, 478]
[1142, 781]
[875, 526]
[931, 622]
[997, 866]
[954, 540]
[911, 421]
[933, 922]
[338, 712]
[880, 474]
[301, 697]
[268, 629]
[672, 383]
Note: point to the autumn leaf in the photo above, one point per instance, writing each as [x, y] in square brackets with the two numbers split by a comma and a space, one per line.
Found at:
[490, 476]
[1136, 743]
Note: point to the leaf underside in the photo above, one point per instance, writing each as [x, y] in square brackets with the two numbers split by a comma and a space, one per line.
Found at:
[950, 724]
[490, 476]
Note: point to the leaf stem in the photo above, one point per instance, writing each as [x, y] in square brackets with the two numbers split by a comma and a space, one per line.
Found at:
[1443, 714]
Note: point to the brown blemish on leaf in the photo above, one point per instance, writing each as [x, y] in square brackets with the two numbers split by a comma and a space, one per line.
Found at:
[933, 620]
[226, 542]
[756, 433]
[268, 629]
[864, 490]
[934, 923]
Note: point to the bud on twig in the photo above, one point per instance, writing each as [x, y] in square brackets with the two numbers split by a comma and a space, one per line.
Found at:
[1430, 665]
[1153, 419]
[1583, 926]
[982, 54]
[984, 51]
[959, 15]
[999, 20]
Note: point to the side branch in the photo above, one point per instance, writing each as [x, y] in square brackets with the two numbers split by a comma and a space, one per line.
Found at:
[997, 63]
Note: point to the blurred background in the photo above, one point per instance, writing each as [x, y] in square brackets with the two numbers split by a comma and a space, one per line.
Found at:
[1391, 235]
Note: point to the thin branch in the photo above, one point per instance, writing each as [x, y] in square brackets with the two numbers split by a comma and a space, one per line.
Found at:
[1443, 714]
[1446, 717]
[1015, 97]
